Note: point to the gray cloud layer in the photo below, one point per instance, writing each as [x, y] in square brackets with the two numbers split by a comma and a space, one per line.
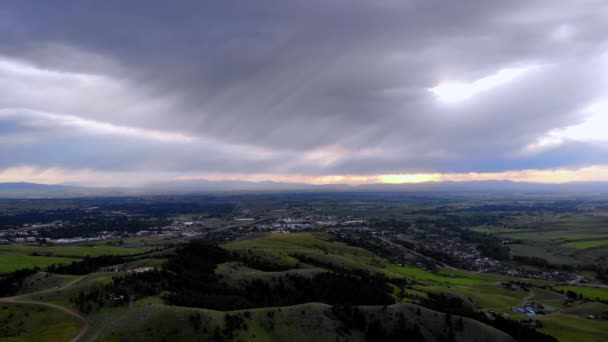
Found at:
[310, 87]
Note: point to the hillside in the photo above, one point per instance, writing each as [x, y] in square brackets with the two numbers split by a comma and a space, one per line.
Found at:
[306, 322]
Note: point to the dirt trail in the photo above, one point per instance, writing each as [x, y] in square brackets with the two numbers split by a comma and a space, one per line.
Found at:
[528, 297]
[83, 329]
[84, 324]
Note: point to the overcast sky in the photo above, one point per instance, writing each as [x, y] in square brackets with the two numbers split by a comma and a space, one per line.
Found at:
[129, 92]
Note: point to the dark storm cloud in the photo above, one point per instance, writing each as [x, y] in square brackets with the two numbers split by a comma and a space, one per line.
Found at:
[320, 87]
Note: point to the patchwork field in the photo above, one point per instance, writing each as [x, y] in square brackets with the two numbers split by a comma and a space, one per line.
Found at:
[560, 240]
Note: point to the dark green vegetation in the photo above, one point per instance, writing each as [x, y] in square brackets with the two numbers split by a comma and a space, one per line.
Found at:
[193, 283]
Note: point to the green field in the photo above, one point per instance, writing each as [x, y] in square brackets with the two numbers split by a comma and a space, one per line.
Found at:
[586, 244]
[10, 261]
[574, 328]
[493, 230]
[547, 252]
[73, 251]
[15, 257]
[587, 291]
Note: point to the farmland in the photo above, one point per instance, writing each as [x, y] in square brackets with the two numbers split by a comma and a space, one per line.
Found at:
[561, 239]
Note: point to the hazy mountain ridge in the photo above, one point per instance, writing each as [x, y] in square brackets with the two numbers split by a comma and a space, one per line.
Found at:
[35, 190]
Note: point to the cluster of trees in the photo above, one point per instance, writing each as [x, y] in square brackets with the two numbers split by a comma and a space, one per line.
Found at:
[87, 265]
[488, 245]
[330, 288]
[353, 319]
[574, 295]
[91, 301]
[368, 241]
[517, 330]
[534, 261]
[121, 290]
[189, 279]
[601, 269]
[91, 226]
[38, 216]
[11, 283]
[138, 285]
[164, 206]
[260, 263]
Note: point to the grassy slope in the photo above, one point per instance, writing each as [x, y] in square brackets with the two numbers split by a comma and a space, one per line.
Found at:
[307, 322]
[22, 322]
[574, 328]
[234, 273]
[62, 295]
[43, 281]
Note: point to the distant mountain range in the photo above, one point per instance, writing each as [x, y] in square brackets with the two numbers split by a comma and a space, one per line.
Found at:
[33, 190]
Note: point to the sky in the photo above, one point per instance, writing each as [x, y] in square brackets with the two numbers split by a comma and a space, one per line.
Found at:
[115, 93]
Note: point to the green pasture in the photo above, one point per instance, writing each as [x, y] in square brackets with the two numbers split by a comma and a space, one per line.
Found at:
[72, 251]
[587, 291]
[586, 244]
[574, 328]
[10, 261]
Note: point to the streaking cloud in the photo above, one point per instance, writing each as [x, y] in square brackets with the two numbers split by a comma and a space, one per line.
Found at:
[43, 120]
[452, 92]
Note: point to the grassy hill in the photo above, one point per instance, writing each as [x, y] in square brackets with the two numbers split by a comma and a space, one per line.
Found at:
[306, 322]
[273, 259]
